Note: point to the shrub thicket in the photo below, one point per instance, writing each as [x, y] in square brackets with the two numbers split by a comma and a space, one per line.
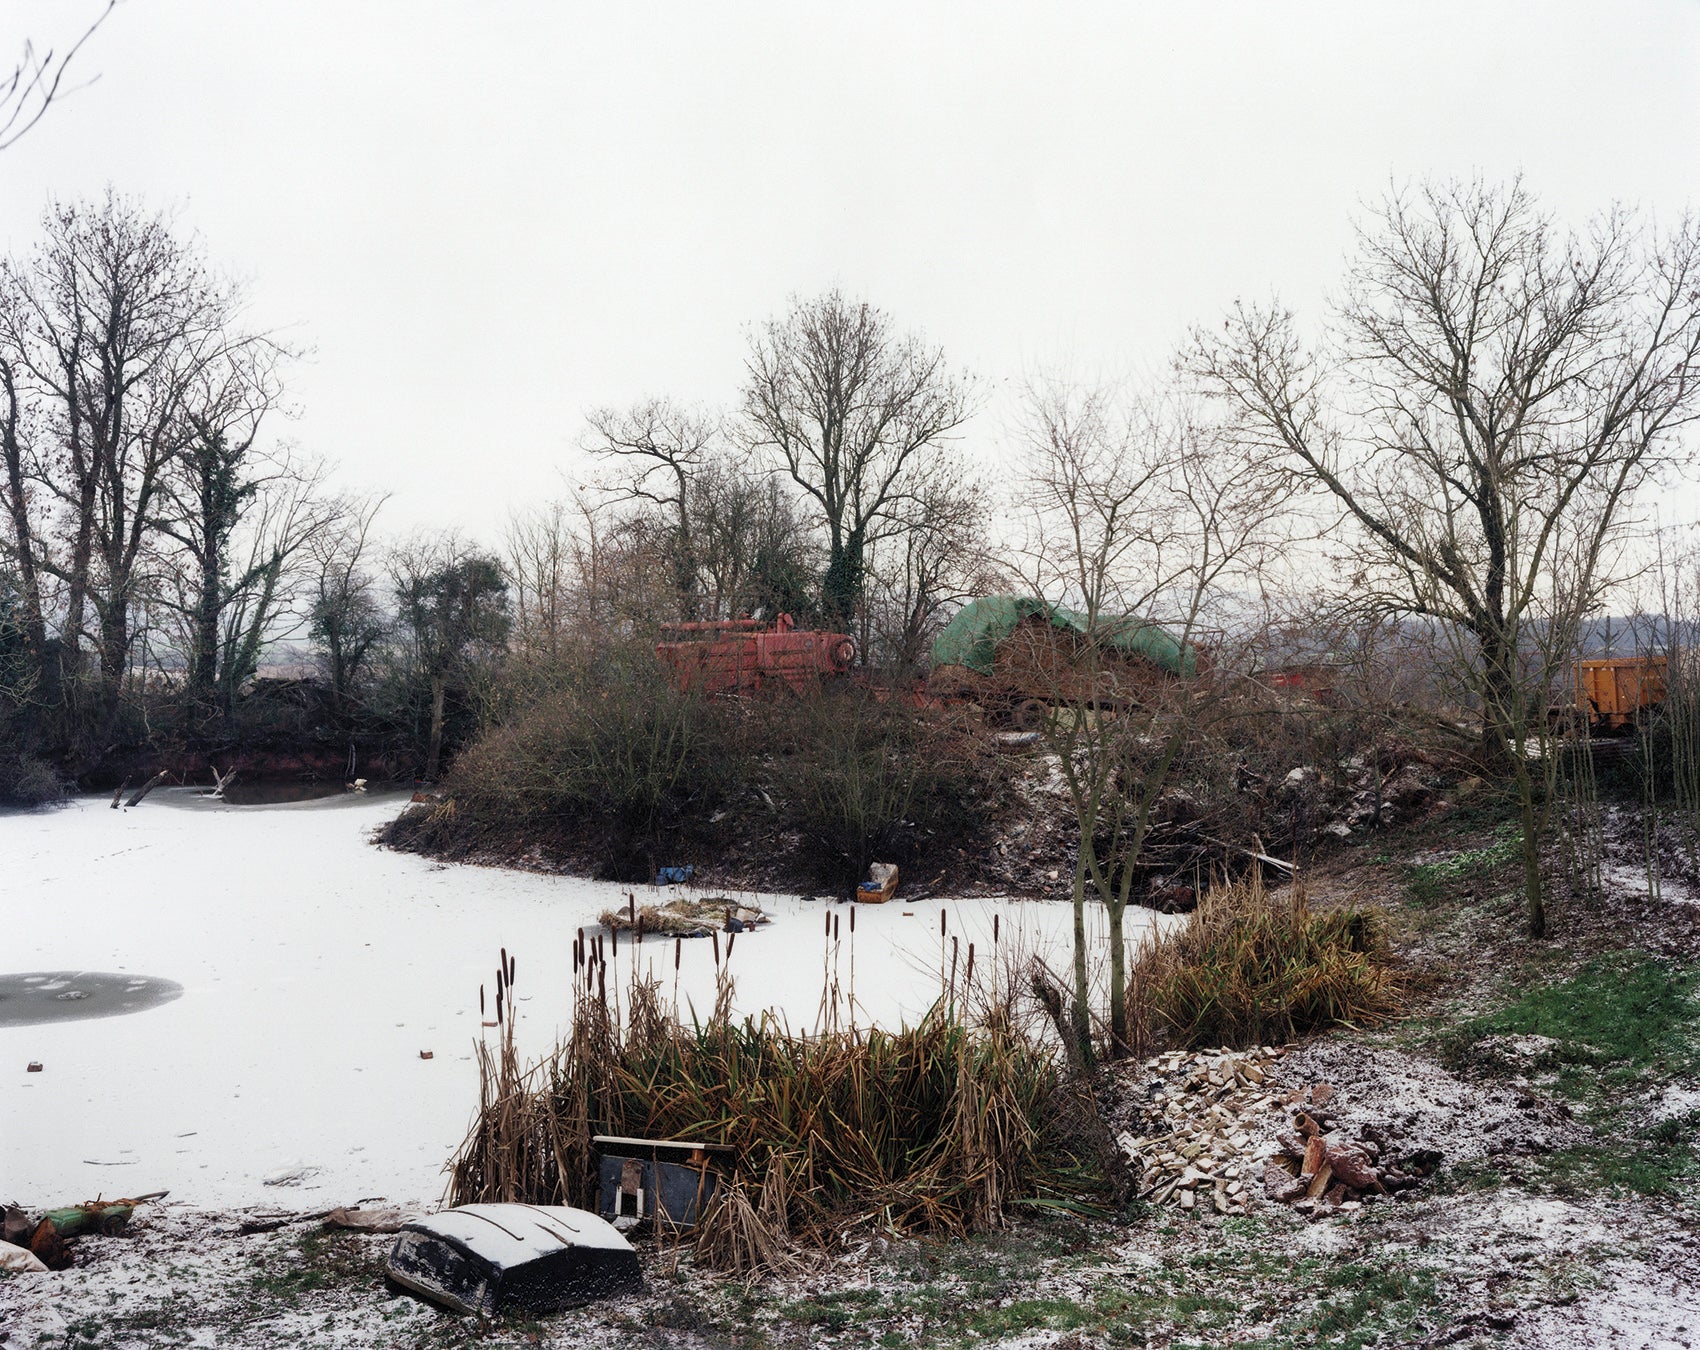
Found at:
[606, 754]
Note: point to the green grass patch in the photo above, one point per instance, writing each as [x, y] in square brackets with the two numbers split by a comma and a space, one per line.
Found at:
[1464, 872]
[967, 1294]
[1622, 1018]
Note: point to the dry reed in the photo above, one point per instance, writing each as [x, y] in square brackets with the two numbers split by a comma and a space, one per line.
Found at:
[1248, 968]
[936, 1128]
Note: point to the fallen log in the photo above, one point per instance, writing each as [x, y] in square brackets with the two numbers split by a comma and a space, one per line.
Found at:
[147, 787]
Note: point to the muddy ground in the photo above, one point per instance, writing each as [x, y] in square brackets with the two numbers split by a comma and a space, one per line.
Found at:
[1557, 1081]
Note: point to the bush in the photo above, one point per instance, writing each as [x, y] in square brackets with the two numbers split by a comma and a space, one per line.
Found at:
[862, 779]
[614, 743]
[1249, 968]
[28, 781]
[601, 752]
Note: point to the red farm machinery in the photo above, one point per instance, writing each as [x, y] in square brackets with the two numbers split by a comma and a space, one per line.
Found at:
[751, 656]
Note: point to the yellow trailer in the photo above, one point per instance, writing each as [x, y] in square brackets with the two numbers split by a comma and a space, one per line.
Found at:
[1614, 693]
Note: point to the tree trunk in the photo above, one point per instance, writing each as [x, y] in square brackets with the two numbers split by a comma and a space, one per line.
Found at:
[433, 759]
[1120, 1043]
[114, 652]
[1532, 886]
[203, 661]
[1081, 1013]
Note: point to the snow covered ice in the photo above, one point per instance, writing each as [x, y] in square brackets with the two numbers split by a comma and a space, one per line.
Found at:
[315, 967]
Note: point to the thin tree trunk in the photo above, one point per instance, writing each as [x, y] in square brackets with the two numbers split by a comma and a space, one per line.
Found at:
[1120, 1043]
[1081, 1015]
[433, 760]
[1531, 847]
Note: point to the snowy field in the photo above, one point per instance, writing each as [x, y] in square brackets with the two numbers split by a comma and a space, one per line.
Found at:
[315, 968]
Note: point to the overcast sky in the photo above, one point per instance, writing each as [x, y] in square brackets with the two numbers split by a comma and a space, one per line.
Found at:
[485, 218]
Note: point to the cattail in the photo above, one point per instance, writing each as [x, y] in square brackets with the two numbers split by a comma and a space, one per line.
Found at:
[640, 928]
[678, 946]
[614, 942]
[513, 963]
[715, 936]
[829, 927]
[835, 928]
[852, 921]
[941, 922]
[995, 918]
[730, 939]
[969, 977]
[481, 1002]
[504, 960]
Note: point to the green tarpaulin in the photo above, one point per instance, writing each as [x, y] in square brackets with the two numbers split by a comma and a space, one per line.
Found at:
[971, 638]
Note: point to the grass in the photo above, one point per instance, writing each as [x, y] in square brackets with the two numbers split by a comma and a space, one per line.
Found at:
[1430, 884]
[1619, 1021]
[1624, 1023]
[974, 1292]
[1248, 968]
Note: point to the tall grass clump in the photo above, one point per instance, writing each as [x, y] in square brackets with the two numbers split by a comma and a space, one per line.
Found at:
[937, 1128]
[1248, 968]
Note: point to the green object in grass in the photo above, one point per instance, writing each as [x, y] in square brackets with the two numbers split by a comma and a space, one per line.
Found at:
[75, 1220]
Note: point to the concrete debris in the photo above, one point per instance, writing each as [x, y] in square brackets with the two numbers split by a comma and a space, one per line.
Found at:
[685, 916]
[1210, 1133]
[366, 1220]
[1200, 1129]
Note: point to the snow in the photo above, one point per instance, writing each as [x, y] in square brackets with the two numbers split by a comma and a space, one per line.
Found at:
[510, 1235]
[315, 969]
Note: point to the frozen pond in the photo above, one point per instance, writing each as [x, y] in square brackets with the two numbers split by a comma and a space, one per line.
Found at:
[314, 969]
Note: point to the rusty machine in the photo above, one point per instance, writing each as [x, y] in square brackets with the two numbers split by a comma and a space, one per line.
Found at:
[751, 656]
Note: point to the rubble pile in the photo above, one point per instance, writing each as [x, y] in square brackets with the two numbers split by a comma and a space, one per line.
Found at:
[1319, 1176]
[1202, 1129]
[1211, 1136]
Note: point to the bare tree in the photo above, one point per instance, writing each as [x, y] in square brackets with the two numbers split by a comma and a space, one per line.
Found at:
[539, 553]
[1490, 396]
[345, 617]
[239, 513]
[859, 416]
[660, 447]
[1147, 529]
[109, 333]
[942, 556]
[36, 80]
